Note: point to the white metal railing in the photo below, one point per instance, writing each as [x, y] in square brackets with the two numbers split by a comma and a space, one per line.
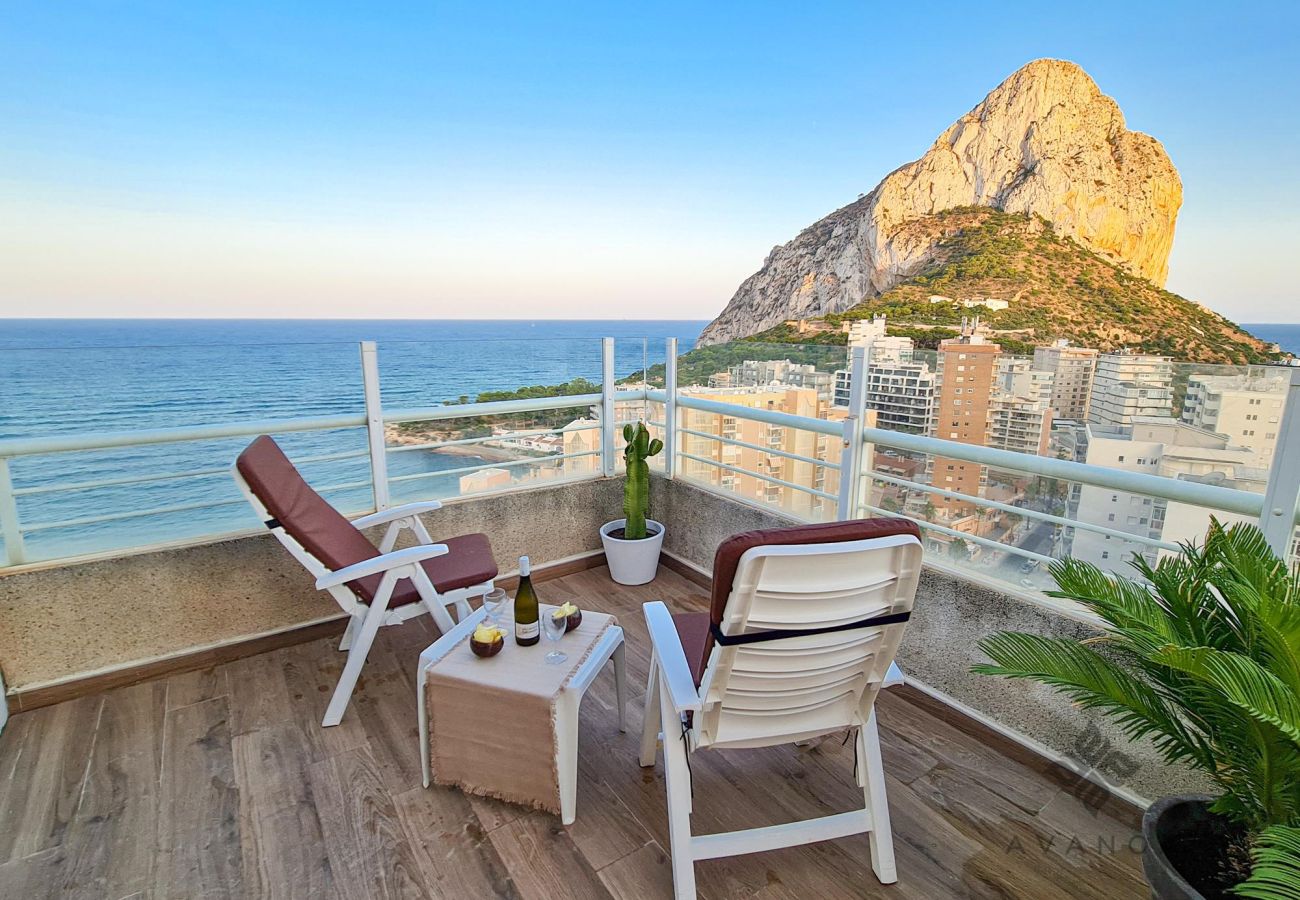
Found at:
[847, 446]
[374, 420]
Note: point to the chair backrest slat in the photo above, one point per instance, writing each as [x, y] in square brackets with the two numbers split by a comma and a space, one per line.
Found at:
[799, 686]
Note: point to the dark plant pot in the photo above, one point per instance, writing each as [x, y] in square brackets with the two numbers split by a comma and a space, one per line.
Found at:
[1184, 848]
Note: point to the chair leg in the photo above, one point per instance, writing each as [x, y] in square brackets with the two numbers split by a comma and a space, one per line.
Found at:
[566, 753]
[359, 648]
[620, 686]
[348, 634]
[650, 725]
[677, 778]
[871, 775]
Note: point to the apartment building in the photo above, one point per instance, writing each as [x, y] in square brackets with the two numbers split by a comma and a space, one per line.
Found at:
[1020, 407]
[721, 463]
[1246, 407]
[899, 388]
[1130, 385]
[967, 372]
[1157, 446]
[762, 373]
[1072, 371]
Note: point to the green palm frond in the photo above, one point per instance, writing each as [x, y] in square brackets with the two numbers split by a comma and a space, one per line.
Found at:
[1201, 655]
[1243, 682]
[1276, 871]
[1093, 681]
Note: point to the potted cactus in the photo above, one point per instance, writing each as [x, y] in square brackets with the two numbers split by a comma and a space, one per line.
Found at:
[632, 543]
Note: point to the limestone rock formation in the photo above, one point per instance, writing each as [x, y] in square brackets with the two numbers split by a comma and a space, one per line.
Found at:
[1046, 141]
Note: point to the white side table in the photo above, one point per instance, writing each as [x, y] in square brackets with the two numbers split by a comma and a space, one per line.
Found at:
[566, 704]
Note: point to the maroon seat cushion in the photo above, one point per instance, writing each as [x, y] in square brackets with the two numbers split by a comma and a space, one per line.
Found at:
[327, 535]
[693, 632]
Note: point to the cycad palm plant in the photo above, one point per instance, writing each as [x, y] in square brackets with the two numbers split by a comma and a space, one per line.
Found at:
[1203, 657]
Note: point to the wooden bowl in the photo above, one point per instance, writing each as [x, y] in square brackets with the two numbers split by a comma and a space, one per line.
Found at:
[488, 649]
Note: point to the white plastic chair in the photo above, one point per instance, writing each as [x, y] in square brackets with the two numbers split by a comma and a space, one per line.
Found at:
[821, 610]
[375, 586]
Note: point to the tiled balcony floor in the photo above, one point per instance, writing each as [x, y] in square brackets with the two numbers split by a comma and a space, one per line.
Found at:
[222, 783]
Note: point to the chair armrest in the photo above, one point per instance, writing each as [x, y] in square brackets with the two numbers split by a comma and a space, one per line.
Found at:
[395, 559]
[406, 510]
[675, 674]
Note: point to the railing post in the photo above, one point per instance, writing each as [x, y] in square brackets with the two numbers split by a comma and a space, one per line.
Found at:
[670, 408]
[375, 423]
[9, 527]
[607, 423]
[851, 452]
[1283, 492]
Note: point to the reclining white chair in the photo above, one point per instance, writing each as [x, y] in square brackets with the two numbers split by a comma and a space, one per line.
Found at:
[375, 586]
[800, 637]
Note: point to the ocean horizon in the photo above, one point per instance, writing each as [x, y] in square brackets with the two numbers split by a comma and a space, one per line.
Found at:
[71, 376]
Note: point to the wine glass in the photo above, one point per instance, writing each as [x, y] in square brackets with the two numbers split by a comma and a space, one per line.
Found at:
[554, 627]
[495, 602]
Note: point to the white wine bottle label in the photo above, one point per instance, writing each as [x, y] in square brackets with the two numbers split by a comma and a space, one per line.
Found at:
[526, 630]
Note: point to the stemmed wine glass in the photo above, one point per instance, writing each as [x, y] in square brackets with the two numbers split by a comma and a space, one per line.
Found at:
[554, 627]
[495, 602]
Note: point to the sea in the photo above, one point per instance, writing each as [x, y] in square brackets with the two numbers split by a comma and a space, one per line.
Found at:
[63, 377]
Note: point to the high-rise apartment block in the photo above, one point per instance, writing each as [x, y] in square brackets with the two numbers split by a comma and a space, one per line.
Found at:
[1072, 371]
[967, 371]
[1131, 385]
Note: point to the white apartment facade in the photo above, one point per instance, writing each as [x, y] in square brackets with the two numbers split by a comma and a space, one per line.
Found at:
[1127, 386]
[1246, 407]
[1155, 446]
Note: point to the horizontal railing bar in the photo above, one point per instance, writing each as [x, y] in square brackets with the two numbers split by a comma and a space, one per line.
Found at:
[493, 465]
[768, 478]
[434, 445]
[1021, 511]
[496, 408]
[165, 476]
[1208, 495]
[820, 426]
[943, 529]
[164, 510]
[735, 443]
[107, 440]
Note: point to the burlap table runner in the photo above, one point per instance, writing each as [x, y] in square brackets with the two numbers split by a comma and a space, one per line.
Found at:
[492, 721]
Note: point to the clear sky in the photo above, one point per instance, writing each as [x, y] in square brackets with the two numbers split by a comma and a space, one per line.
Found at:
[555, 160]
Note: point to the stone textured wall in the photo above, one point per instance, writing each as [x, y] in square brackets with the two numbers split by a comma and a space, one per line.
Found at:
[64, 621]
[951, 615]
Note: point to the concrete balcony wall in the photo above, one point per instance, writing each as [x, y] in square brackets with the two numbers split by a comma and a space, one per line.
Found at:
[952, 613]
[65, 621]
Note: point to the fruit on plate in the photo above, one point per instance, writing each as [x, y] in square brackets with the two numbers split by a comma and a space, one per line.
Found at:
[487, 640]
[571, 613]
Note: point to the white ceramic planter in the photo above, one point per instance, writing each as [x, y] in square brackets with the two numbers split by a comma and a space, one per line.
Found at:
[632, 562]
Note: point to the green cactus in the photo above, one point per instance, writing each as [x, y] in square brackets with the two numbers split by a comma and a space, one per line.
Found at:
[636, 490]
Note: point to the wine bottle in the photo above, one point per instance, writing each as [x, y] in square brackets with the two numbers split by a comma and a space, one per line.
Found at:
[527, 629]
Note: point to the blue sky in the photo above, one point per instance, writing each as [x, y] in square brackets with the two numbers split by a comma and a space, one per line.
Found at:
[569, 160]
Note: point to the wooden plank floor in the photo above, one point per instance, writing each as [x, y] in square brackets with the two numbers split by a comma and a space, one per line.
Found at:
[221, 783]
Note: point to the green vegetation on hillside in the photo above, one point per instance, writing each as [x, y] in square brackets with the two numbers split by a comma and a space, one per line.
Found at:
[1057, 289]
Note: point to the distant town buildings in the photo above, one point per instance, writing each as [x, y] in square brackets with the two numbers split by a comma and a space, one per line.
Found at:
[1246, 407]
[765, 373]
[1129, 385]
[1155, 445]
[1072, 371]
